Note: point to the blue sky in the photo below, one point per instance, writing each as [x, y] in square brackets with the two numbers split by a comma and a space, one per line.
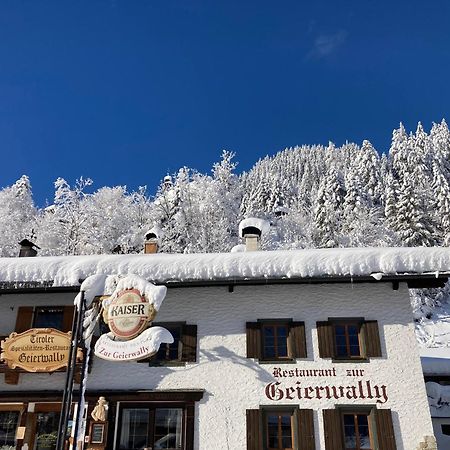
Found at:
[126, 91]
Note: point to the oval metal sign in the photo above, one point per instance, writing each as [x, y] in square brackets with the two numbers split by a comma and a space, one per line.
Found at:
[129, 314]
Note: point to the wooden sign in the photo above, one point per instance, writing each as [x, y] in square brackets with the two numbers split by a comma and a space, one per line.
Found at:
[37, 350]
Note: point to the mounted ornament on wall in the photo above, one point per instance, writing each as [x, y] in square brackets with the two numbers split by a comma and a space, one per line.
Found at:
[129, 312]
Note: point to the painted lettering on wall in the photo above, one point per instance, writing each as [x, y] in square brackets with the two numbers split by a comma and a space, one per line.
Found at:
[301, 390]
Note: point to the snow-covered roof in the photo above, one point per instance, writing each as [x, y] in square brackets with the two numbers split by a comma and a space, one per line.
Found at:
[376, 263]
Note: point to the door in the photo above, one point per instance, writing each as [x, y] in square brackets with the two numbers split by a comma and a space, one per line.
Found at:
[158, 427]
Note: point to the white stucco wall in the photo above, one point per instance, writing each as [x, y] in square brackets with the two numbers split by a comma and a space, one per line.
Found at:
[233, 383]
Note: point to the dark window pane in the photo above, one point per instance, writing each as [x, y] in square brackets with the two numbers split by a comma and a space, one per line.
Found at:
[341, 351]
[353, 339]
[46, 430]
[282, 332]
[134, 428]
[269, 332]
[286, 431]
[445, 429]
[282, 351]
[48, 318]
[340, 340]
[272, 431]
[170, 352]
[354, 350]
[8, 425]
[168, 428]
[339, 330]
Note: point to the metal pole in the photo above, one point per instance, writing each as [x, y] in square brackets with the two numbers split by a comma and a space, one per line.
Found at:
[68, 389]
[80, 398]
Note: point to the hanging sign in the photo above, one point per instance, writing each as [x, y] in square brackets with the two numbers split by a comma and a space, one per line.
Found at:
[37, 350]
[128, 315]
[143, 346]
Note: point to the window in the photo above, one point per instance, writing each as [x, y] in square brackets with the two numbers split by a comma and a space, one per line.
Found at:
[281, 428]
[276, 340]
[58, 317]
[350, 428]
[357, 432]
[48, 317]
[349, 339]
[8, 426]
[145, 426]
[171, 352]
[182, 350]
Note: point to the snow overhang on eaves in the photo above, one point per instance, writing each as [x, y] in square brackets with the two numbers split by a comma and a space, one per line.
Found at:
[419, 267]
[413, 281]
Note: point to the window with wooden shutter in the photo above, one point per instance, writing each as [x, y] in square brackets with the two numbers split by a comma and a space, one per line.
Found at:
[68, 312]
[276, 340]
[371, 339]
[24, 319]
[305, 429]
[348, 339]
[189, 343]
[297, 336]
[254, 433]
[183, 348]
[384, 429]
[253, 340]
[334, 439]
[325, 336]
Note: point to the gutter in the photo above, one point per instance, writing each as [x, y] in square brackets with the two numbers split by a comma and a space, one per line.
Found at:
[414, 281]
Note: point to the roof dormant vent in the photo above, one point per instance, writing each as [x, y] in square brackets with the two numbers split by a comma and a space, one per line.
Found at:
[151, 244]
[27, 248]
[251, 231]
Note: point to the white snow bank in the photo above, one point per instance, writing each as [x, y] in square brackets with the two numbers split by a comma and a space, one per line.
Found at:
[435, 361]
[260, 224]
[160, 267]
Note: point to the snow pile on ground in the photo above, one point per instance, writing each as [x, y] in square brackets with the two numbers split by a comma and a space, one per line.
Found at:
[438, 399]
[69, 270]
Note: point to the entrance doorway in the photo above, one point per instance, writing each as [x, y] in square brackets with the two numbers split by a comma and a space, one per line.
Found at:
[152, 427]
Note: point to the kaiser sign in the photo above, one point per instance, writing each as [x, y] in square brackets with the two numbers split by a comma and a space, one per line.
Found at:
[128, 315]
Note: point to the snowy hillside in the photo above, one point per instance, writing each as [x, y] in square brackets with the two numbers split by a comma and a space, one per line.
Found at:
[312, 196]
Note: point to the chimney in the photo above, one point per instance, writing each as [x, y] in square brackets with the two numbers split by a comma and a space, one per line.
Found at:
[151, 244]
[251, 230]
[27, 248]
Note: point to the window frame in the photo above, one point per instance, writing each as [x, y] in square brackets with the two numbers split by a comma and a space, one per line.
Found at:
[370, 423]
[287, 323]
[151, 407]
[346, 322]
[279, 410]
[46, 309]
[153, 362]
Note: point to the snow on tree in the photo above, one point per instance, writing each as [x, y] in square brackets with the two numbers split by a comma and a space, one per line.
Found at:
[328, 209]
[18, 216]
[64, 229]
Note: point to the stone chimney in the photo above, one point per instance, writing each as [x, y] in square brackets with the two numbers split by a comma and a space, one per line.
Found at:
[27, 248]
[151, 244]
[251, 230]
